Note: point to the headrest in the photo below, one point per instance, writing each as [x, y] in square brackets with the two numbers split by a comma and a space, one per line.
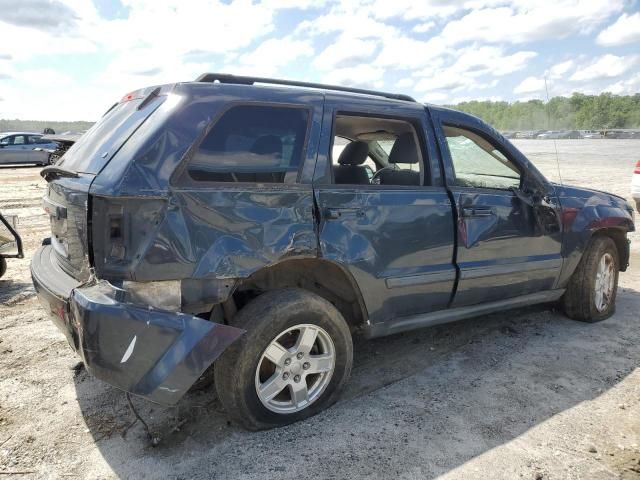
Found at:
[267, 145]
[404, 150]
[354, 153]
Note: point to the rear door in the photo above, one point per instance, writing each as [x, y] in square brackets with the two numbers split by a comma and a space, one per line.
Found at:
[507, 246]
[395, 239]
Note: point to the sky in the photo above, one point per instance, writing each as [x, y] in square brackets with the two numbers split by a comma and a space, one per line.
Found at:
[72, 59]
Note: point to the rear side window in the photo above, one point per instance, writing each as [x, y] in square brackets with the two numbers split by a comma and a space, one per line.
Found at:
[252, 143]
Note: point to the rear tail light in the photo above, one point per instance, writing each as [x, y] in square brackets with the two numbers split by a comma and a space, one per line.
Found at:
[637, 170]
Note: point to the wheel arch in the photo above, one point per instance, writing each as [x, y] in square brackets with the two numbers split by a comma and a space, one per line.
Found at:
[619, 237]
[325, 278]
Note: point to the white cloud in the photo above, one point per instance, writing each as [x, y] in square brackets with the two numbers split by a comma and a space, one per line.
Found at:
[625, 30]
[606, 66]
[379, 44]
[560, 69]
[530, 85]
[363, 76]
[275, 53]
[530, 20]
[344, 52]
[629, 86]
[407, 53]
[424, 27]
[405, 83]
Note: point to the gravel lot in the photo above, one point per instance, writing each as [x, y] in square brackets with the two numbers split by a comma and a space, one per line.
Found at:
[524, 394]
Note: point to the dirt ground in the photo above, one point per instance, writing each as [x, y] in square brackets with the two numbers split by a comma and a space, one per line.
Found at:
[523, 394]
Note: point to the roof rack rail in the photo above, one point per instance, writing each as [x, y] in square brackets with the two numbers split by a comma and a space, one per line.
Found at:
[241, 80]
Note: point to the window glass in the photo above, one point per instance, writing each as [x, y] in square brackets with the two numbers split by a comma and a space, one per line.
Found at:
[34, 139]
[19, 140]
[6, 141]
[252, 143]
[375, 151]
[477, 163]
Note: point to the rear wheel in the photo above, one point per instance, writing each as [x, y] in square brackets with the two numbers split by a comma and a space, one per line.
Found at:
[291, 364]
[591, 293]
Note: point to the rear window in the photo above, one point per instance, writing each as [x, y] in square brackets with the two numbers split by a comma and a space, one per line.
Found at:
[252, 143]
[95, 148]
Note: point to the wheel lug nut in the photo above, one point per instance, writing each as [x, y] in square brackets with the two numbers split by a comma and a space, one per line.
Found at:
[306, 365]
[296, 378]
[299, 355]
[285, 375]
[287, 361]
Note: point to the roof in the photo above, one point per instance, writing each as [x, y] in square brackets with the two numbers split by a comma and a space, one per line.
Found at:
[244, 80]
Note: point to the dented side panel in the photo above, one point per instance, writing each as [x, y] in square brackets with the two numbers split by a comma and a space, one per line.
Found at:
[230, 232]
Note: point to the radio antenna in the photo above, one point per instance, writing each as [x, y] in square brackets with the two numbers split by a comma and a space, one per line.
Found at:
[555, 145]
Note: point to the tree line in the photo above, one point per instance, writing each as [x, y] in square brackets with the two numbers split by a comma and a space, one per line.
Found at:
[577, 112]
[39, 126]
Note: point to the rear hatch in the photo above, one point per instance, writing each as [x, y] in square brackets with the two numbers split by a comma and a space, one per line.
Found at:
[67, 200]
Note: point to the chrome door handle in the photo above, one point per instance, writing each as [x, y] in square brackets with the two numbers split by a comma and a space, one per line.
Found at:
[477, 212]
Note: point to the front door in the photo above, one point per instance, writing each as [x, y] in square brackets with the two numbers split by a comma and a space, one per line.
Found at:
[385, 215]
[508, 242]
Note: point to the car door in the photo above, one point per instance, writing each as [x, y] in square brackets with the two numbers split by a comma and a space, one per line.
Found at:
[395, 240]
[508, 227]
[15, 149]
[38, 154]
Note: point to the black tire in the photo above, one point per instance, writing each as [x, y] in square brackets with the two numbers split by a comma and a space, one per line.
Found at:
[579, 300]
[265, 318]
[3, 266]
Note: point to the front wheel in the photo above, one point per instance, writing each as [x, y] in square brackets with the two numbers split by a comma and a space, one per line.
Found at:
[292, 363]
[591, 292]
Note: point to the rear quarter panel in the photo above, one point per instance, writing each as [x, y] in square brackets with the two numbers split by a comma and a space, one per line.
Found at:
[222, 230]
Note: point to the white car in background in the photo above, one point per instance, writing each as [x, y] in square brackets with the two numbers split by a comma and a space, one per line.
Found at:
[635, 185]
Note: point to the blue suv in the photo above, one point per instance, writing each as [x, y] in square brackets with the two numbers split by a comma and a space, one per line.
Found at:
[257, 223]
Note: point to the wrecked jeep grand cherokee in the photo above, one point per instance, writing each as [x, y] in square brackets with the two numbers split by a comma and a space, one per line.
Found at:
[256, 223]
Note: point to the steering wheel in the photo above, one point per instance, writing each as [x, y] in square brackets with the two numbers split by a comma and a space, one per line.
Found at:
[375, 180]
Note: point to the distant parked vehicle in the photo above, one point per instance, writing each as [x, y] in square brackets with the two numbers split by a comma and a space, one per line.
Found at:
[635, 185]
[591, 134]
[63, 142]
[25, 147]
[551, 134]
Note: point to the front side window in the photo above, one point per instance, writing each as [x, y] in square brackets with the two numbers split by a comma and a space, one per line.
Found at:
[477, 163]
[252, 143]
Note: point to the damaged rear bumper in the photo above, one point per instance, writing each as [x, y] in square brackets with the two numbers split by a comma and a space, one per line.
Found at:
[151, 353]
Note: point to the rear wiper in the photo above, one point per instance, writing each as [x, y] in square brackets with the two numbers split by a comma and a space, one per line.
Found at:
[54, 171]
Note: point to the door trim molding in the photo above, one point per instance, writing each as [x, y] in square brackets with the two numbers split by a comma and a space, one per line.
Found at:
[404, 324]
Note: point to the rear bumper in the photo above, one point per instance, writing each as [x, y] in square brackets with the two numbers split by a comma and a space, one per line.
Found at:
[155, 354]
